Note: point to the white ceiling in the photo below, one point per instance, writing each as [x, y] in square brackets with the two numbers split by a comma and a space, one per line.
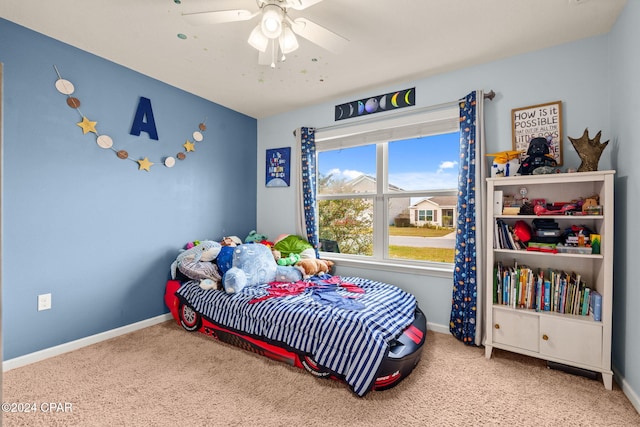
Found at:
[390, 42]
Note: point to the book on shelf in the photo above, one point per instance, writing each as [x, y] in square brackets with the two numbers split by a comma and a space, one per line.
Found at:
[595, 308]
[585, 302]
[505, 238]
[523, 287]
[547, 296]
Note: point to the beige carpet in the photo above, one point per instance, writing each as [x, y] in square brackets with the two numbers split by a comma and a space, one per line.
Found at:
[165, 376]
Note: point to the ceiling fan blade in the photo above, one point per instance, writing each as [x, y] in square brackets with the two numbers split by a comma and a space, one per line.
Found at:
[218, 16]
[301, 4]
[319, 35]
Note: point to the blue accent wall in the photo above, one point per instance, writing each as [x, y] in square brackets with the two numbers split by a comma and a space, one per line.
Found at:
[88, 227]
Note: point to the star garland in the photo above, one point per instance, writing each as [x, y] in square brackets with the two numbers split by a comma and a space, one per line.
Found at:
[65, 87]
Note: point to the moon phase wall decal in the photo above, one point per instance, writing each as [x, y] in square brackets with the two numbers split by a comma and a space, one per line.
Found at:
[376, 104]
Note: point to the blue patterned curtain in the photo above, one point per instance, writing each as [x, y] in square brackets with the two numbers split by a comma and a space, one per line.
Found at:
[308, 219]
[466, 311]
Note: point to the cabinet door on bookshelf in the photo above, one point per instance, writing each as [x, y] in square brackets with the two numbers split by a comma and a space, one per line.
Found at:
[515, 328]
[580, 342]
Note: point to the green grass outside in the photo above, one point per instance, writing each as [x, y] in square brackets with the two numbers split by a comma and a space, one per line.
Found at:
[422, 254]
[418, 231]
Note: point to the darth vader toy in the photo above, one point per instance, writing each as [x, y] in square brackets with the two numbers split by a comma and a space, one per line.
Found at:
[537, 156]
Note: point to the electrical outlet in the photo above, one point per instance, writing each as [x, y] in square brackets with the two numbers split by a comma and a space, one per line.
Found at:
[44, 302]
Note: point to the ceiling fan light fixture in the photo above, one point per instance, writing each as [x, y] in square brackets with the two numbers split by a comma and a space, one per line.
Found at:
[258, 40]
[288, 41]
[271, 24]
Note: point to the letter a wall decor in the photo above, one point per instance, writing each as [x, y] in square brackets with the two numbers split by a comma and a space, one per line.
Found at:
[143, 122]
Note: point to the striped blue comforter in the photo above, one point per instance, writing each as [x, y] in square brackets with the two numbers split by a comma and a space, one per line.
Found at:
[343, 328]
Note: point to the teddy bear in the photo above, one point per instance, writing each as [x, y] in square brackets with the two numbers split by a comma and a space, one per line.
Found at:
[314, 266]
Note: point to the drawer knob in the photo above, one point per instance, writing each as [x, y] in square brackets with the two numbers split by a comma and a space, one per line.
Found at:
[545, 337]
[497, 326]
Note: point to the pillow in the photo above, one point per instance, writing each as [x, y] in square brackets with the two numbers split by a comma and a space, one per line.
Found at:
[225, 259]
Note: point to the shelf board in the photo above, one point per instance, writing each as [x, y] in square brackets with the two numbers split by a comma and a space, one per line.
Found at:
[558, 254]
[576, 317]
[560, 217]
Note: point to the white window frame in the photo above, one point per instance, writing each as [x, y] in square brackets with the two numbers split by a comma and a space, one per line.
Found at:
[419, 123]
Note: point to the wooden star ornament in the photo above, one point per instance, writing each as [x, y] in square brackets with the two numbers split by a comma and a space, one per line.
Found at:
[144, 164]
[189, 146]
[87, 125]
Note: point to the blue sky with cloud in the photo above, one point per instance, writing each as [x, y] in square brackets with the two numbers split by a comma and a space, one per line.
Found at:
[427, 163]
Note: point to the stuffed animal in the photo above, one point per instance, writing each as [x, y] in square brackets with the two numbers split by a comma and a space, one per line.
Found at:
[294, 244]
[314, 266]
[292, 259]
[192, 244]
[255, 237]
[252, 265]
[196, 263]
[231, 241]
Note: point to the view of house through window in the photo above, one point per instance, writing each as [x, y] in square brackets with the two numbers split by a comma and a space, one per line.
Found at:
[390, 200]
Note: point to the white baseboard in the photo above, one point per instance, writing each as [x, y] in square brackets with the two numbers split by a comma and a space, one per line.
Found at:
[627, 390]
[435, 327]
[37, 356]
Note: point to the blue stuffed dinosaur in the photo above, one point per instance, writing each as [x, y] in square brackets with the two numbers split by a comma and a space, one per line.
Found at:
[253, 264]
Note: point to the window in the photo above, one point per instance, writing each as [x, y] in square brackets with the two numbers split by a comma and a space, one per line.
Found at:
[387, 191]
[424, 216]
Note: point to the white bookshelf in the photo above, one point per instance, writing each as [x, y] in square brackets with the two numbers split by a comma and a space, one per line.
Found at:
[569, 339]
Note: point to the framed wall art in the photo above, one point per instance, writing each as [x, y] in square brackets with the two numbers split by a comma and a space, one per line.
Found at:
[542, 120]
[278, 168]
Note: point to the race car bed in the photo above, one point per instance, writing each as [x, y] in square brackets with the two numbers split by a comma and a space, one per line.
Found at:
[366, 333]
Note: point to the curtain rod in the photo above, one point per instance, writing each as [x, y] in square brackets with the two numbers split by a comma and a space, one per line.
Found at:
[489, 95]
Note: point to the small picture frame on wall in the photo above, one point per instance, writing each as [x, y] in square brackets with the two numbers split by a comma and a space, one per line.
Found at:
[278, 167]
[542, 120]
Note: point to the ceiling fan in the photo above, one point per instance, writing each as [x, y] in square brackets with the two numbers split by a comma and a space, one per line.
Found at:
[275, 34]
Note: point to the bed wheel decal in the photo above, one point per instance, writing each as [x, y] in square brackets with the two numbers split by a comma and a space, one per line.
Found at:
[311, 366]
[189, 318]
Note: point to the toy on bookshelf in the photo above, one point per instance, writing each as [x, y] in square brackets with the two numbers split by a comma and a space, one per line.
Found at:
[505, 163]
[595, 243]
